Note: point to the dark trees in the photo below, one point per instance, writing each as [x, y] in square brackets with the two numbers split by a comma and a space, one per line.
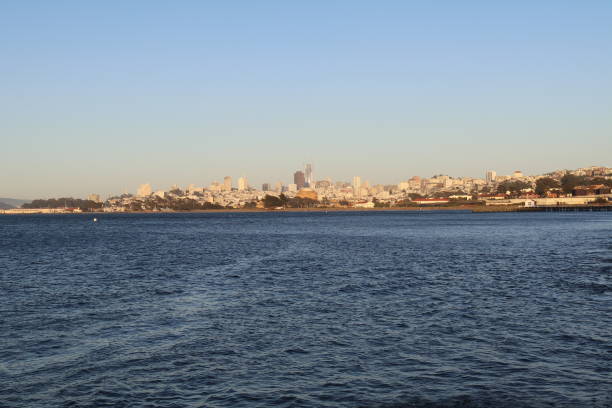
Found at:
[514, 186]
[570, 181]
[546, 183]
[271, 201]
[64, 202]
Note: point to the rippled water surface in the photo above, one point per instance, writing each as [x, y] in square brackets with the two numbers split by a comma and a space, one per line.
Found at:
[385, 309]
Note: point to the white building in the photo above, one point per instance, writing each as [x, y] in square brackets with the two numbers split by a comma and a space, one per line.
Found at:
[490, 176]
[227, 183]
[357, 186]
[243, 184]
[368, 204]
[144, 190]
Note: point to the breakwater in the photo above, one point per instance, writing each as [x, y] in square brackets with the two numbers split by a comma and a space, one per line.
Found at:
[560, 208]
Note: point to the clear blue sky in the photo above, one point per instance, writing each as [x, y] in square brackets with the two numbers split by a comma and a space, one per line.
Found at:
[102, 96]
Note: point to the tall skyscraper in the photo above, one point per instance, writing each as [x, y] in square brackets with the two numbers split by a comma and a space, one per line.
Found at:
[227, 183]
[265, 186]
[490, 176]
[357, 186]
[144, 190]
[308, 175]
[242, 184]
[299, 179]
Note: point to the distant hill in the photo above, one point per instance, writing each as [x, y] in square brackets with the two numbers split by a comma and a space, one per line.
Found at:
[12, 202]
[4, 206]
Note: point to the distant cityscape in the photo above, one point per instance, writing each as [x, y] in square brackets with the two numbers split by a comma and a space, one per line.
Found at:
[579, 186]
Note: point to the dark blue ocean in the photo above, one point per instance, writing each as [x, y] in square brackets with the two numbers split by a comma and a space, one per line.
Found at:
[353, 309]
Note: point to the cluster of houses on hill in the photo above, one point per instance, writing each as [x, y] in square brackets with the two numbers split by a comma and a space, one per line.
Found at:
[515, 189]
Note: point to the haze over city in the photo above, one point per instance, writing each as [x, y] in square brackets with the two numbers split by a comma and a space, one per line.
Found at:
[104, 97]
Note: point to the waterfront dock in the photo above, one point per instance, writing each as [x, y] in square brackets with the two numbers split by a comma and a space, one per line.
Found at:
[556, 208]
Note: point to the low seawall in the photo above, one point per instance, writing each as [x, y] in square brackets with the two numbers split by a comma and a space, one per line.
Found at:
[556, 208]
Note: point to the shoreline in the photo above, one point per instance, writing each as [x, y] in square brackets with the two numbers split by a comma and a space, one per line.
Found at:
[470, 208]
[263, 210]
[296, 210]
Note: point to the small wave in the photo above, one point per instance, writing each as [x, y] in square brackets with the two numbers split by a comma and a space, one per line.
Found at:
[598, 288]
[592, 287]
[332, 384]
[349, 288]
[165, 292]
[296, 350]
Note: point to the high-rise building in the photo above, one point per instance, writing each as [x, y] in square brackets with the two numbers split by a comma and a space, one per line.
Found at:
[490, 176]
[299, 179]
[265, 186]
[278, 187]
[292, 188]
[357, 186]
[227, 183]
[308, 175]
[242, 184]
[144, 190]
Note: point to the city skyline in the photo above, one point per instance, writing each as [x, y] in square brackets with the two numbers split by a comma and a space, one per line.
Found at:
[105, 96]
[243, 181]
[559, 187]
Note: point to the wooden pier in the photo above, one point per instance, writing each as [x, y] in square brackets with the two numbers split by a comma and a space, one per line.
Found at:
[567, 208]
[555, 208]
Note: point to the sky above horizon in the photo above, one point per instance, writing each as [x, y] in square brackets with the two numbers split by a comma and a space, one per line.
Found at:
[99, 97]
